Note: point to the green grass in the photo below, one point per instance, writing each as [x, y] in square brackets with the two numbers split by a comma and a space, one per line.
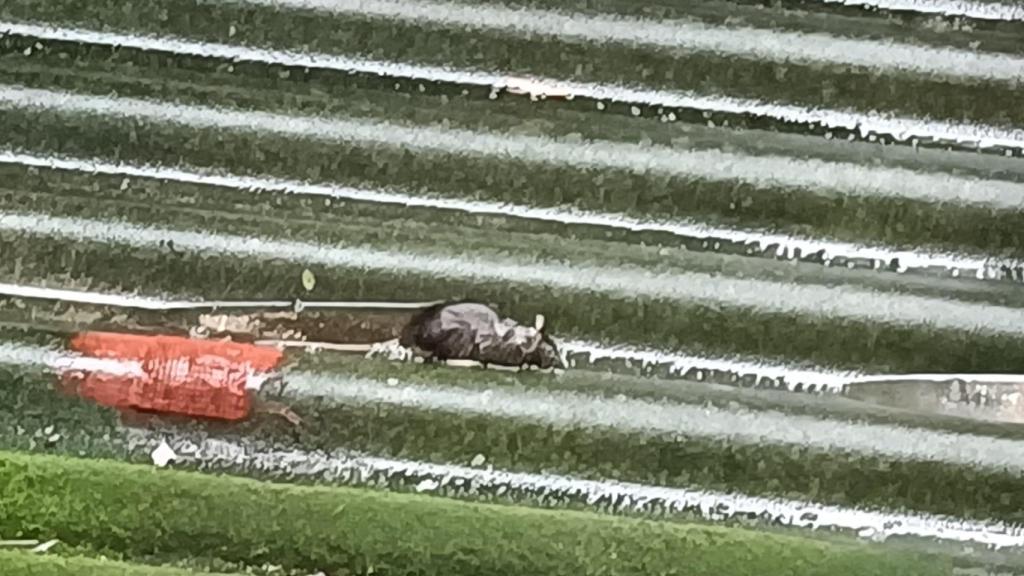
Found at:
[15, 563]
[132, 510]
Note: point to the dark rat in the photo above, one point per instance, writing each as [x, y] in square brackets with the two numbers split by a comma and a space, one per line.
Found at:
[463, 330]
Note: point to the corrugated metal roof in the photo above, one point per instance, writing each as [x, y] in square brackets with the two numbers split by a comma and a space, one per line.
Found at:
[706, 200]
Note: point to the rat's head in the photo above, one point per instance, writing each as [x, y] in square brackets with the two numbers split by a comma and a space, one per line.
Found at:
[545, 353]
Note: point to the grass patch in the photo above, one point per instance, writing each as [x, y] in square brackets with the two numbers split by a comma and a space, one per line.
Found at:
[132, 510]
[16, 563]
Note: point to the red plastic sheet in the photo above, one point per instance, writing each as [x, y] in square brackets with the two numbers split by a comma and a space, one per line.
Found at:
[201, 378]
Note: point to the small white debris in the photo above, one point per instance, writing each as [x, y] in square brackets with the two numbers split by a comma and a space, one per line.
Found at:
[462, 363]
[600, 106]
[392, 381]
[308, 280]
[478, 460]
[872, 534]
[53, 438]
[537, 89]
[45, 546]
[427, 485]
[18, 543]
[232, 30]
[48, 430]
[125, 183]
[255, 380]
[634, 110]
[390, 350]
[163, 454]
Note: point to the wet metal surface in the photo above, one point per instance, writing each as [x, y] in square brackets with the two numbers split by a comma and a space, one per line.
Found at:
[780, 245]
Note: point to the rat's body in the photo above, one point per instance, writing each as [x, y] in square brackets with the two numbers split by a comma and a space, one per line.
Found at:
[475, 332]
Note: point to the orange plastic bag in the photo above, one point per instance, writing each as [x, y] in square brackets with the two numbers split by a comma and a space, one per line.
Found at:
[172, 374]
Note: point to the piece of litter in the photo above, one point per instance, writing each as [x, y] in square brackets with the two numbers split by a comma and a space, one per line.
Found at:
[45, 546]
[535, 88]
[163, 454]
[392, 381]
[427, 484]
[308, 280]
[870, 533]
[18, 543]
[478, 460]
